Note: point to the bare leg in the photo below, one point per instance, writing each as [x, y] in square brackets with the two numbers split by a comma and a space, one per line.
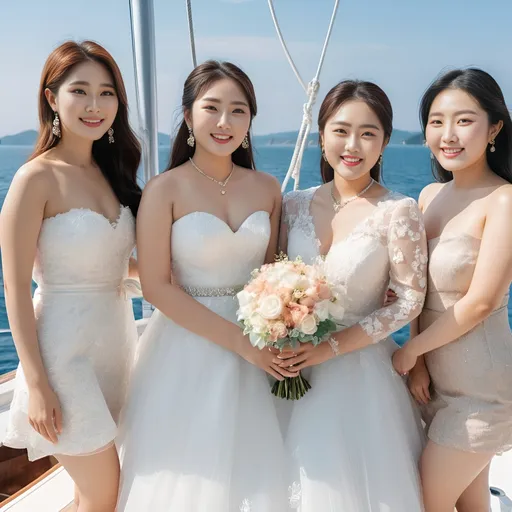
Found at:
[446, 473]
[476, 497]
[96, 477]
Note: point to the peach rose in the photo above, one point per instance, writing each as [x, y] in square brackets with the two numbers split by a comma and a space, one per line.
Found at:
[277, 330]
[298, 313]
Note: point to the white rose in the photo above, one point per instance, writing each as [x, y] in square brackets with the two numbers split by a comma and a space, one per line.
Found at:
[257, 340]
[288, 279]
[244, 298]
[322, 309]
[258, 323]
[308, 325]
[270, 307]
[336, 310]
[245, 312]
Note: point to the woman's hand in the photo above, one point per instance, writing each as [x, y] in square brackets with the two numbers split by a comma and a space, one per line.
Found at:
[306, 355]
[390, 297]
[404, 360]
[264, 359]
[419, 382]
[44, 412]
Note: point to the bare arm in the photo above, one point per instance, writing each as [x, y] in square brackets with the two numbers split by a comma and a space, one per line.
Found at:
[154, 225]
[133, 270]
[20, 223]
[491, 280]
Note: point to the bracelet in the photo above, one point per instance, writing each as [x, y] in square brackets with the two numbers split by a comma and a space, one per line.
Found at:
[334, 343]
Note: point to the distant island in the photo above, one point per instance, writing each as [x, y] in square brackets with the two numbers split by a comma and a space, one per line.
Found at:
[28, 138]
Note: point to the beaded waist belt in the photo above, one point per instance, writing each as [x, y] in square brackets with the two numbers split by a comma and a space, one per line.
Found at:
[197, 291]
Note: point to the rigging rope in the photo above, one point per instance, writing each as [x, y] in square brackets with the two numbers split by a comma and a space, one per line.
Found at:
[191, 32]
[311, 90]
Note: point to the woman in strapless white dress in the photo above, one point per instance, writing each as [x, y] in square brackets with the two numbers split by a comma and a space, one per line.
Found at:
[68, 221]
[200, 432]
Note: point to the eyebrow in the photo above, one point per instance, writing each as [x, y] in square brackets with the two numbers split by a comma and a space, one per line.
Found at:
[458, 113]
[343, 123]
[82, 82]
[215, 100]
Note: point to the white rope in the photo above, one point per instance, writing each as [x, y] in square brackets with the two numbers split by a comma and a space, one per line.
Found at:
[311, 91]
[285, 48]
[191, 32]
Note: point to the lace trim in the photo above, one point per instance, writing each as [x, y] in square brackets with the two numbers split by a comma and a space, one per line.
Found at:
[245, 506]
[294, 495]
[296, 212]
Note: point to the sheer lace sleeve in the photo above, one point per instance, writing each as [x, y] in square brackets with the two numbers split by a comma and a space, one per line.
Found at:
[407, 248]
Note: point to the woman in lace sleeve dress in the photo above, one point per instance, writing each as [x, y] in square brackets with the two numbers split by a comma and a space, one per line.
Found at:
[462, 338]
[355, 439]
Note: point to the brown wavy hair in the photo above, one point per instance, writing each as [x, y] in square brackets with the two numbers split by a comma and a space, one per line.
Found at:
[202, 77]
[119, 161]
[348, 90]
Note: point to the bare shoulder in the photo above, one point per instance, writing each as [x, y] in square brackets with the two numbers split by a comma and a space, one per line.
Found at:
[163, 187]
[261, 178]
[428, 193]
[262, 181]
[36, 177]
[500, 198]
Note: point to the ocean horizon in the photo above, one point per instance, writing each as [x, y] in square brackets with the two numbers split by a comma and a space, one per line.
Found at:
[406, 169]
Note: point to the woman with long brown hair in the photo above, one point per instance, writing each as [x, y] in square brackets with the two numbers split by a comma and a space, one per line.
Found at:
[200, 430]
[68, 221]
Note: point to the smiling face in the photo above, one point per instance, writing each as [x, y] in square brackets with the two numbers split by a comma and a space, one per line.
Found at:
[353, 139]
[220, 117]
[86, 101]
[458, 131]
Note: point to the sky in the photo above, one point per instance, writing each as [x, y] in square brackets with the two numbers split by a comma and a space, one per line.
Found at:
[402, 45]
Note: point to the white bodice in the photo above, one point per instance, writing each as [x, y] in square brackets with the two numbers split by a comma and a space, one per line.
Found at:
[207, 253]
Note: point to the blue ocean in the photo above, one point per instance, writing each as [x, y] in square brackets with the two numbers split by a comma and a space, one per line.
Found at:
[406, 170]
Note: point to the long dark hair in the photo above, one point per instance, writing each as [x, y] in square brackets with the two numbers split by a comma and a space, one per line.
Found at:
[484, 89]
[202, 77]
[374, 97]
[119, 161]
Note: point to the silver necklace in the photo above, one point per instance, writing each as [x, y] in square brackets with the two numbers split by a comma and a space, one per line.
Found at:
[222, 184]
[338, 204]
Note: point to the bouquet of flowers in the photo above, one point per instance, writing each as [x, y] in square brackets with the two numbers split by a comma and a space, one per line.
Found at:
[287, 303]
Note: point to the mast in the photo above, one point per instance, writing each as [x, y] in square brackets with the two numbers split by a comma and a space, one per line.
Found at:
[142, 21]
[143, 42]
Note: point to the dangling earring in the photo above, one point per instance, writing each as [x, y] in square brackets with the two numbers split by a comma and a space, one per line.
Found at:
[245, 142]
[56, 126]
[380, 160]
[111, 135]
[431, 156]
[191, 141]
[492, 149]
[323, 153]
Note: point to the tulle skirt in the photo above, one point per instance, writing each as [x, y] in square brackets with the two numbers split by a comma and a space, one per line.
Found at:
[199, 432]
[355, 439]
